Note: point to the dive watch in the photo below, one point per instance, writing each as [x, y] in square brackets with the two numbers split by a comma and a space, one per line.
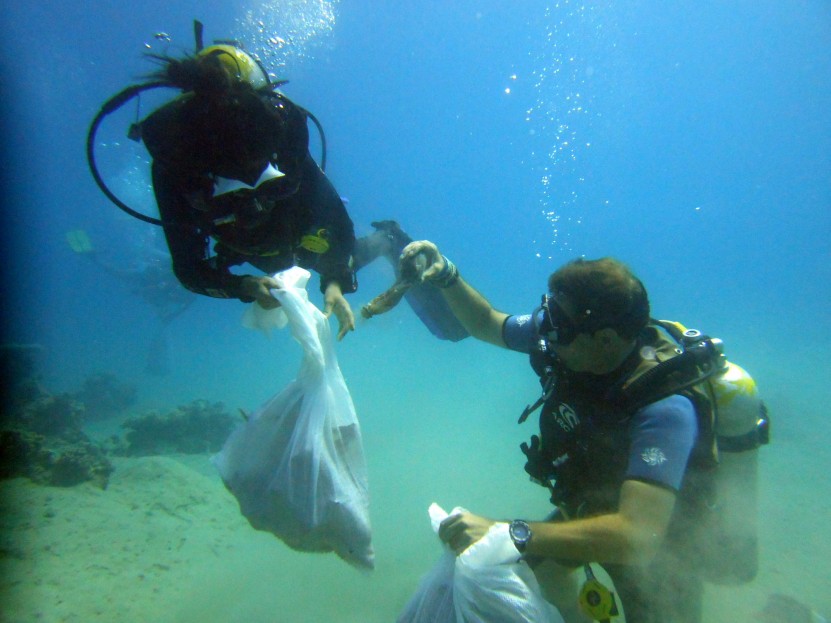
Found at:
[520, 533]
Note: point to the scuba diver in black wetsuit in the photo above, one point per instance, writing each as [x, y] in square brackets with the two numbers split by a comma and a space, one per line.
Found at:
[231, 164]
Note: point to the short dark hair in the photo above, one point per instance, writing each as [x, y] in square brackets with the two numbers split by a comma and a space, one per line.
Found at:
[605, 293]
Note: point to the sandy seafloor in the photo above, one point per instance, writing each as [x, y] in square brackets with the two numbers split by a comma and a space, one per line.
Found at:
[165, 541]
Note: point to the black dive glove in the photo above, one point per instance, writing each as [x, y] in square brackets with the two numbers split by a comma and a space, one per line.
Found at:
[539, 465]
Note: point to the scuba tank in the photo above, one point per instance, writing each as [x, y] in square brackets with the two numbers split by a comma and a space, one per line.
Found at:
[741, 427]
[740, 423]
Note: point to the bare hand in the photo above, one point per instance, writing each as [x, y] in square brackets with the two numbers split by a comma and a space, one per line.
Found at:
[335, 302]
[259, 288]
[462, 531]
[435, 260]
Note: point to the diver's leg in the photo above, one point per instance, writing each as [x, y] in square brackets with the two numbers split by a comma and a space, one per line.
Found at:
[561, 586]
[661, 592]
[388, 240]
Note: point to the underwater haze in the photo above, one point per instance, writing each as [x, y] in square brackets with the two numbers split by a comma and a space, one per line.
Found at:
[691, 140]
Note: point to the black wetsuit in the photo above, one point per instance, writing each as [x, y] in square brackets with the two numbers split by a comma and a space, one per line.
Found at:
[200, 143]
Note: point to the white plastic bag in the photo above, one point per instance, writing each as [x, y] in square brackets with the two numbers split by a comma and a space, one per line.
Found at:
[487, 583]
[297, 466]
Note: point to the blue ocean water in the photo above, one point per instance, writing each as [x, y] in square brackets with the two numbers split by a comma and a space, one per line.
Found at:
[690, 140]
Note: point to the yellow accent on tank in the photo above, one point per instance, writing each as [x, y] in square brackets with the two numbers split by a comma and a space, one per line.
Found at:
[733, 383]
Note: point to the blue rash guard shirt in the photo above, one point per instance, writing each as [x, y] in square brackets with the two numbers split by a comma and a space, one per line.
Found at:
[662, 434]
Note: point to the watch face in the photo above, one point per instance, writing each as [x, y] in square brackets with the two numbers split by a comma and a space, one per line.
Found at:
[520, 532]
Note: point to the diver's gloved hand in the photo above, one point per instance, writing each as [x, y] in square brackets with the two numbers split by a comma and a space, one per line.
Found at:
[259, 289]
[336, 303]
[438, 270]
[435, 261]
[461, 530]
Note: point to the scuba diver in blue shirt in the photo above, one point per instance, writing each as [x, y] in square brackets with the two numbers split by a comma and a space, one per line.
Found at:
[231, 167]
[628, 446]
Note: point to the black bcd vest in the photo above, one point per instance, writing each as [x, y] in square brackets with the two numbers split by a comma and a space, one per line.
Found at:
[585, 422]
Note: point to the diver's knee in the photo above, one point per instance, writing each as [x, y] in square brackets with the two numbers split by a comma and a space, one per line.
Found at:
[387, 240]
[370, 247]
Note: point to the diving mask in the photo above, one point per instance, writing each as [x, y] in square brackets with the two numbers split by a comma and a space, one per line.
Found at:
[557, 326]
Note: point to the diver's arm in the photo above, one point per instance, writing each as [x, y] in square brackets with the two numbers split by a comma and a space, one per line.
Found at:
[632, 535]
[319, 196]
[337, 276]
[189, 246]
[472, 309]
[475, 313]
[329, 212]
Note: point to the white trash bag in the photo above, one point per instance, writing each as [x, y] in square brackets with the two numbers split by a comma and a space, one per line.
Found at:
[297, 465]
[487, 583]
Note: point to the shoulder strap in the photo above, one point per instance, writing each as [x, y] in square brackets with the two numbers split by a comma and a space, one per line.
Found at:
[685, 360]
[679, 363]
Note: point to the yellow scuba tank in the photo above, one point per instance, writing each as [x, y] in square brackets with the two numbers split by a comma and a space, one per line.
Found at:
[741, 426]
[727, 540]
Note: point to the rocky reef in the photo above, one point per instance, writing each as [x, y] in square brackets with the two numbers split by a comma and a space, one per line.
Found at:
[40, 433]
[23, 453]
[103, 396]
[197, 428]
[42, 436]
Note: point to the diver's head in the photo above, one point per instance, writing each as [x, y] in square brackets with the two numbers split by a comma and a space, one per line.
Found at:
[239, 65]
[214, 70]
[593, 314]
[599, 293]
